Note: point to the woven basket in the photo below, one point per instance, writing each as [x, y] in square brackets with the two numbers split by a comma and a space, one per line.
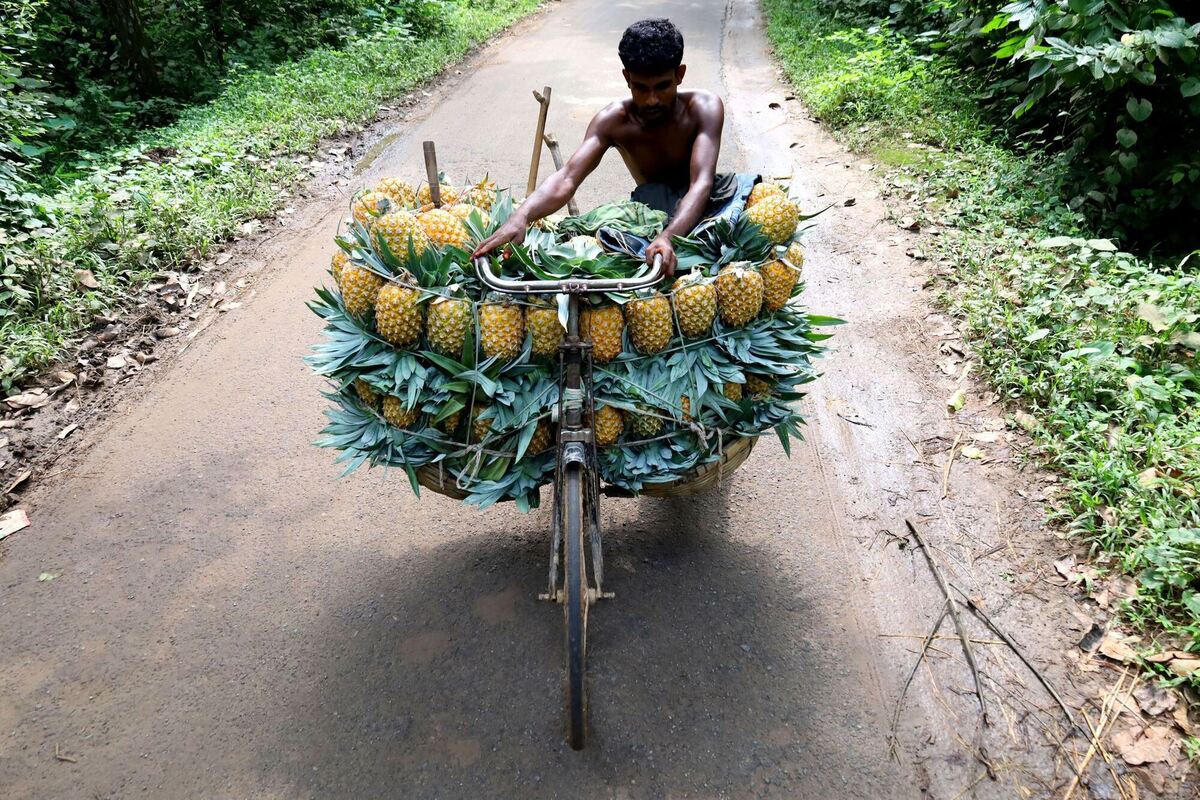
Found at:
[699, 480]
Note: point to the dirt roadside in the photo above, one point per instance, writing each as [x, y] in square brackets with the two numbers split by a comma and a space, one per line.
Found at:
[229, 620]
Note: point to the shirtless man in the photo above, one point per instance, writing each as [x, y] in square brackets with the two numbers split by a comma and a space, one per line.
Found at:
[668, 138]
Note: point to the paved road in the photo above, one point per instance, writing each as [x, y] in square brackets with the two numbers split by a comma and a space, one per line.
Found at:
[232, 621]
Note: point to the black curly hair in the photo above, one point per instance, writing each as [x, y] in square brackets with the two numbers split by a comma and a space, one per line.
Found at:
[651, 46]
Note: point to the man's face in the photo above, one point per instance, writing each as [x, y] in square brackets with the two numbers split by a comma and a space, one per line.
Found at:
[654, 95]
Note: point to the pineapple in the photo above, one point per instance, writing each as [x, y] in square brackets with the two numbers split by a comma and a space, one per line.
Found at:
[761, 191]
[398, 314]
[685, 403]
[758, 387]
[603, 328]
[444, 229]
[396, 414]
[399, 229]
[463, 210]
[449, 196]
[608, 424]
[450, 424]
[480, 428]
[482, 194]
[733, 391]
[779, 280]
[365, 393]
[501, 329]
[739, 294]
[541, 320]
[650, 323]
[541, 438]
[794, 255]
[645, 424]
[695, 305]
[340, 259]
[449, 318]
[359, 287]
[776, 215]
[366, 206]
[400, 193]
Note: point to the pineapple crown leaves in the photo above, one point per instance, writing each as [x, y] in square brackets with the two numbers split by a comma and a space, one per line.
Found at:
[365, 437]
[350, 345]
[721, 243]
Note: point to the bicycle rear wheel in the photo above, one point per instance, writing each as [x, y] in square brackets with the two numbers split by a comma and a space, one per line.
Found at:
[576, 607]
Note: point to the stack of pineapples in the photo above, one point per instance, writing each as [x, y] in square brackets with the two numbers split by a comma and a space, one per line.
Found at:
[429, 370]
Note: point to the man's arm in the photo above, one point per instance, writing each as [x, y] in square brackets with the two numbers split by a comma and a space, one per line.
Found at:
[691, 208]
[558, 188]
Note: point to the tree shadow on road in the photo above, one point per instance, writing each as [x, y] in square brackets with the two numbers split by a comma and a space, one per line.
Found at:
[449, 683]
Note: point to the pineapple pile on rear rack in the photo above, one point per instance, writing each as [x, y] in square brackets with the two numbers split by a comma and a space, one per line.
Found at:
[430, 371]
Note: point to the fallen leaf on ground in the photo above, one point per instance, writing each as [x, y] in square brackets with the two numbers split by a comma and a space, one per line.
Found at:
[1091, 640]
[989, 437]
[1026, 420]
[48, 576]
[971, 451]
[34, 398]
[1148, 478]
[1116, 646]
[1154, 746]
[1154, 700]
[956, 401]
[65, 432]
[86, 279]
[1181, 718]
[24, 476]
[1167, 655]
[116, 362]
[64, 378]
[1185, 666]
[13, 521]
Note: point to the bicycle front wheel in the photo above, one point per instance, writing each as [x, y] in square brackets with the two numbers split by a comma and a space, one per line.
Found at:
[576, 607]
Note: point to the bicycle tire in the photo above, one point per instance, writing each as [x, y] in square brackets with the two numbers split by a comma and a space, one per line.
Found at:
[575, 609]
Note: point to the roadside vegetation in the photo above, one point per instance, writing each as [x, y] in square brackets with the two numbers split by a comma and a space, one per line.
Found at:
[1055, 144]
[136, 135]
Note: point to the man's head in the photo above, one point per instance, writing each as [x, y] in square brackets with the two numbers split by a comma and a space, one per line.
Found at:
[652, 52]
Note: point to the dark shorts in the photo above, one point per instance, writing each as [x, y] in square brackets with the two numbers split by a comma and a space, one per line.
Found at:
[662, 197]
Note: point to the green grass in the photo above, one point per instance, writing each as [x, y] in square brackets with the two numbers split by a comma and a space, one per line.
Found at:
[1098, 346]
[179, 191]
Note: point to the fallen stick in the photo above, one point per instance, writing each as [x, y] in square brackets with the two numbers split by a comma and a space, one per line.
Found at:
[952, 608]
[916, 665]
[949, 464]
[1097, 731]
[1037, 673]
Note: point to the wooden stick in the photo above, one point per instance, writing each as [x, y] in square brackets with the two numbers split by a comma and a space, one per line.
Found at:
[952, 608]
[431, 172]
[1097, 731]
[556, 156]
[1037, 673]
[920, 657]
[544, 101]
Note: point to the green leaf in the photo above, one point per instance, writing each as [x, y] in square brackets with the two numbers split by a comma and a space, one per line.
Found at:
[1190, 87]
[1139, 109]
[1127, 138]
[1036, 336]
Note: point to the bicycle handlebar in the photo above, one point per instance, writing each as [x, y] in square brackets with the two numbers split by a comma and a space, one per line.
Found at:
[483, 265]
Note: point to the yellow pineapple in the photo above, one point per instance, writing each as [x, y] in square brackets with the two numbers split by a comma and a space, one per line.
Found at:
[645, 423]
[776, 215]
[501, 329]
[758, 387]
[396, 414]
[779, 280]
[365, 393]
[733, 391]
[739, 294]
[649, 323]
[482, 194]
[399, 229]
[609, 425]
[366, 206]
[399, 192]
[480, 428]
[764, 190]
[398, 314]
[359, 287]
[340, 259]
[695, 305]
[541, 320]
[463, 210]
[603, 327]
[685, 404]
[449, 196]
[794, 255]
[444, 229]
[450, 424]
[446, 327]
[541, 438]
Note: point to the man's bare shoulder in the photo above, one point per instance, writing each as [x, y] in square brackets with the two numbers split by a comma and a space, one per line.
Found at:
[704, 103]
[610, 117]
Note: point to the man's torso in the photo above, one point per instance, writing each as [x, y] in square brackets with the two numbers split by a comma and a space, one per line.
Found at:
[660, 153]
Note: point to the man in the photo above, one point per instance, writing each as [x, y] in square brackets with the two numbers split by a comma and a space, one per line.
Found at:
[668, 138]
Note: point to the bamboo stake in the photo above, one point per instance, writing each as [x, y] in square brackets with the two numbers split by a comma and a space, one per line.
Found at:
[556, 155]
[543, 99]
[431, 172]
